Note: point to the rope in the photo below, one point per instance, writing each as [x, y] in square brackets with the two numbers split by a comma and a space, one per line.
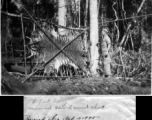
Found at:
[15, 15]
[127, 18]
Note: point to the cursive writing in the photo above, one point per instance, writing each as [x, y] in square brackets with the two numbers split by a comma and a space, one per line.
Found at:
[57, 117]
[67, 106]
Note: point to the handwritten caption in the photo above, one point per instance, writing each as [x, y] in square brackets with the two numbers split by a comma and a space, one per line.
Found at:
[53, 106]
[56, 117]
[61, 105]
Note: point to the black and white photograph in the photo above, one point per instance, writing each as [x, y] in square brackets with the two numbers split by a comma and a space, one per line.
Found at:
[76, 47]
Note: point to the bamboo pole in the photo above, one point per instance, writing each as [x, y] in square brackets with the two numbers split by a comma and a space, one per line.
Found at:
[23, 35]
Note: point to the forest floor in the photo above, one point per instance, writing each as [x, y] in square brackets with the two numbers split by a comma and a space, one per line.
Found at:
[74, 86]
[95, 85]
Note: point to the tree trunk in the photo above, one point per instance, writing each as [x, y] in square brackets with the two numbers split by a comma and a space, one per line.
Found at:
[106, 42]
[94, 36]
[61, 15]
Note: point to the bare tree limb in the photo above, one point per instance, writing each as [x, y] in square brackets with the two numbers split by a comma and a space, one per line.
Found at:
[141, 6]
[129, 26]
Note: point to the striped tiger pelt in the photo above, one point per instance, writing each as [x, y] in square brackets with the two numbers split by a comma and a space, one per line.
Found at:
[48, 50]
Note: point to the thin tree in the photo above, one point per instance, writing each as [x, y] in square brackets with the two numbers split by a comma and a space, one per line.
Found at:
[61, 15]
[94, 36]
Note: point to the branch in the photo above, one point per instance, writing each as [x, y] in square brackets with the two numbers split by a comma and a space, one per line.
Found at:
[67, 27]
[118, 33]
[129, 26]
[141, 6]
[13, 15]
[126, 18]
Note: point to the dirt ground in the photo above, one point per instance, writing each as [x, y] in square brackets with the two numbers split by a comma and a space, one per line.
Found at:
[74, 86]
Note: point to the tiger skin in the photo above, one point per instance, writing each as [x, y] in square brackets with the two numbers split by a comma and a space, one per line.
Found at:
[47, 50]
